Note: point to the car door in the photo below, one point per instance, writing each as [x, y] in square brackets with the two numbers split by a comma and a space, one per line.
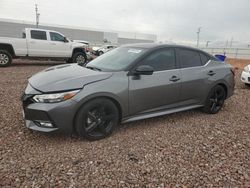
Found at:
[59, 46]
[194, 75]
[38, 45]
[159, 90]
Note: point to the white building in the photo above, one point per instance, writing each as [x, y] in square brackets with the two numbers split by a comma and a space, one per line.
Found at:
[13, 28]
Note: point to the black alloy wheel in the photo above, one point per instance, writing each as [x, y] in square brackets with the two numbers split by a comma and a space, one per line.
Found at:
[215, 100]
[97, 119]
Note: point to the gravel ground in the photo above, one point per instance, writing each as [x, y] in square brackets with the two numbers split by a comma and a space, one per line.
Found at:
[187, 149]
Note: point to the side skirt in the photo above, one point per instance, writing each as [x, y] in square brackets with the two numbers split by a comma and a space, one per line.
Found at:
[159, 113]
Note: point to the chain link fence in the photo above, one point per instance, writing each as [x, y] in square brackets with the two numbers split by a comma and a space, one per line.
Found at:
[237, 53]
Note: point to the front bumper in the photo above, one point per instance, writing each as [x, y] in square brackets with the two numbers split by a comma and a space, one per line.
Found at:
[59, 115]
[245, 77]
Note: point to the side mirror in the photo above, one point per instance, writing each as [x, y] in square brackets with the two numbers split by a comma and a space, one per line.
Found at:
[144, 70]
[65, 40]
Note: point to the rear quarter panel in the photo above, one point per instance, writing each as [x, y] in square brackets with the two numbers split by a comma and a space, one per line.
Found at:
[223, 76]
[19, 45]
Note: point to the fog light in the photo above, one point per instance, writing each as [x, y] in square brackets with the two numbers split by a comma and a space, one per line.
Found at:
[44, 124]
[243, 78]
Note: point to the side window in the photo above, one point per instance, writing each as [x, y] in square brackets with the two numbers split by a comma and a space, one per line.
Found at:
[204, 58]
[161, 60]
[56, 37]
[40, 35]
[189, 58]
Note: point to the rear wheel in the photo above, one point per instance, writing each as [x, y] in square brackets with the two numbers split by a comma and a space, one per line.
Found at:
[5, 58]
[215, 100]
[97, 119]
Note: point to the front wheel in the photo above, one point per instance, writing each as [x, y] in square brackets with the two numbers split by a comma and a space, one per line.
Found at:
[79, 57]
[97, 119]
[5, 58]
[100, 53]
[215, 100]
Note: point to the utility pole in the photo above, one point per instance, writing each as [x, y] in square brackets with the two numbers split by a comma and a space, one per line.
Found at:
[207, 43]
[37, 16]
[227, 44]
[231, 42]
[198, 36]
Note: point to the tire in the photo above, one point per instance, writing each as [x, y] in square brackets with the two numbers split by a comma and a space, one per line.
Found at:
[97, 119]
[248, 85]
[100, 53]
[79, 57]
[215, 100]
[5, 58]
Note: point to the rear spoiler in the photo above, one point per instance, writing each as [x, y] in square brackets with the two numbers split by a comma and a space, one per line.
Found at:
[221, 58]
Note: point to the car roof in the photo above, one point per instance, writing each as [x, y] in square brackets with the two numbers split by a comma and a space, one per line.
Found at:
[155, 45]
[47, 30]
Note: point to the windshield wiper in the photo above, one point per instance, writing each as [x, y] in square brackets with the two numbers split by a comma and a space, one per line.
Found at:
[93, 68]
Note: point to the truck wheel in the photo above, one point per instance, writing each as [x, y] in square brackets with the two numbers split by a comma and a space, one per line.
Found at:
[5, 58]
[100, 53]
[79, 57]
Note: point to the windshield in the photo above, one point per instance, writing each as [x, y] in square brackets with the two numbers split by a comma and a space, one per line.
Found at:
[117, 59]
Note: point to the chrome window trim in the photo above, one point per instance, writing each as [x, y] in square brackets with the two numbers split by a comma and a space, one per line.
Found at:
[185, 68]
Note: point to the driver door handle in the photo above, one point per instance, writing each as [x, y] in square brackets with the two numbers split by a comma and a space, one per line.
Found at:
[174, 79]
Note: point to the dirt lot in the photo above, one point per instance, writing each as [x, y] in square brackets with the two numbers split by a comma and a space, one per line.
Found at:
[188, 149]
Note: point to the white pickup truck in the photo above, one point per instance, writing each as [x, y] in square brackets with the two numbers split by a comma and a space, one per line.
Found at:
[39, 43]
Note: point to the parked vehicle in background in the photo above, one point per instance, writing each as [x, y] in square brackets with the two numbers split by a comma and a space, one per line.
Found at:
[245, 75]
[129, 83]
[103, 49]
[88, 49]
[40, 43]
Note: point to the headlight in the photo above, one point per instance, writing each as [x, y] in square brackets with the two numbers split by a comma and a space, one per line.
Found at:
[55, 97]
[246, 69]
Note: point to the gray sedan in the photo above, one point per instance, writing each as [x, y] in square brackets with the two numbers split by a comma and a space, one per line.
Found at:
[132, 82]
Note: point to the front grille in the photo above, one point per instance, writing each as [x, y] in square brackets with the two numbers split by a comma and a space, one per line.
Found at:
[248, 79]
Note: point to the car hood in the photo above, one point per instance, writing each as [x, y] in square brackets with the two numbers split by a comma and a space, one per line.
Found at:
[65, 77]
[77, 45]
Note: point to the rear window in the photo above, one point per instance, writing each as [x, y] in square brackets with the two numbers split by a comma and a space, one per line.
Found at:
[40, 35]
[204, 58]
[189, 58]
